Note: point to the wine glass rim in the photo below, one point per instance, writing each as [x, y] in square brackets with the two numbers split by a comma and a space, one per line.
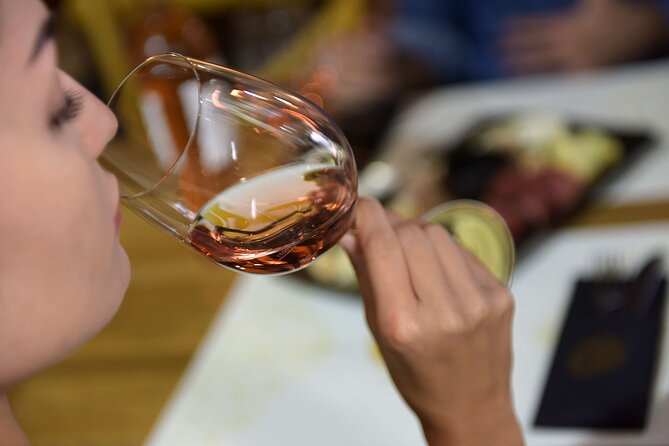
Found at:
[170, 59]
[287, 94]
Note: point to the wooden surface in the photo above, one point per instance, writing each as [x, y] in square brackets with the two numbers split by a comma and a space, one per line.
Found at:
[597, 215]
[112, 391]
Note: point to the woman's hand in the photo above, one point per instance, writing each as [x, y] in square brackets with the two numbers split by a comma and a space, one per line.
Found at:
[443, 324]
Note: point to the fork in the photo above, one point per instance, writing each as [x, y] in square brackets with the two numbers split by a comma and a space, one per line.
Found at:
[614, 291]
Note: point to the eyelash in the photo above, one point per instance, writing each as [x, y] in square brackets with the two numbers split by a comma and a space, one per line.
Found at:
[68, 112]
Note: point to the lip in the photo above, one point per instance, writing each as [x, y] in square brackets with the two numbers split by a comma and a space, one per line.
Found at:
[117, 220]
[117, 195]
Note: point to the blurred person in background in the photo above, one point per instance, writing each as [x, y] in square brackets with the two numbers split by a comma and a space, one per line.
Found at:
[409, 43]
[485, 39]
[442, 322]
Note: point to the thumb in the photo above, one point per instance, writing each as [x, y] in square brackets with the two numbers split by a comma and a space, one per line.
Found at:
[350, 243]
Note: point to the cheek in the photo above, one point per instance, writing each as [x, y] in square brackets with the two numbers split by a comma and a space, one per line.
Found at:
[76, 241]
[60, 262]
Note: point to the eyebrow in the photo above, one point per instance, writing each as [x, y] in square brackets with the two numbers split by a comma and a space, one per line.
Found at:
[45, 35]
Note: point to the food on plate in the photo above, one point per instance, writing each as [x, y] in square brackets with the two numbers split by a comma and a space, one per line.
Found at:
[533, 169]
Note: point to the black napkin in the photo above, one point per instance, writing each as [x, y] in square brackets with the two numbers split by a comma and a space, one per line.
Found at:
[603, 368]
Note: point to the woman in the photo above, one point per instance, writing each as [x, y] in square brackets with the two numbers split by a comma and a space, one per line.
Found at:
[442, 322]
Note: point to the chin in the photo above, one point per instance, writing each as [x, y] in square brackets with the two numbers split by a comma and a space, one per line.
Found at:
[109, 303]
[121, 281]
[58, 337]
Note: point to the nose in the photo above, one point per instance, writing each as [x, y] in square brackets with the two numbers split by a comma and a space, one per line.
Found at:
[96, 123]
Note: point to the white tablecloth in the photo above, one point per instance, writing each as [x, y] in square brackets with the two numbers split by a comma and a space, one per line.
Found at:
[290, 364]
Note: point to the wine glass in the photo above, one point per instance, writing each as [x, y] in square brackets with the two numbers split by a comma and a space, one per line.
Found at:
[255, 177]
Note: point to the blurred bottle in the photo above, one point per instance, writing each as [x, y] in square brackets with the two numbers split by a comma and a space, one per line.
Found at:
[163, 28]
[167, 106]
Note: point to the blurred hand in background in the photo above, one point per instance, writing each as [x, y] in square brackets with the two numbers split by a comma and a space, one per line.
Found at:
[593, 33]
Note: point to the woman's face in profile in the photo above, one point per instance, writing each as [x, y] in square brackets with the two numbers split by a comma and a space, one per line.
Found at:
[62, 270]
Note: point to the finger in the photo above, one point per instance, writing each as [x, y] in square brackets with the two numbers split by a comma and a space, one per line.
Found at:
[427, 277]
[519, 40]
[349, 242]
[351, 245]
[394, 217]
[455, 267]
[491, 288]
[384, 260]
[532, 44]
[533, 22]
[482, 275]
[539, 61]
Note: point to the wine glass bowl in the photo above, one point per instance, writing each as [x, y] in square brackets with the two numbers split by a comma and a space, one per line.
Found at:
[253, 176]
